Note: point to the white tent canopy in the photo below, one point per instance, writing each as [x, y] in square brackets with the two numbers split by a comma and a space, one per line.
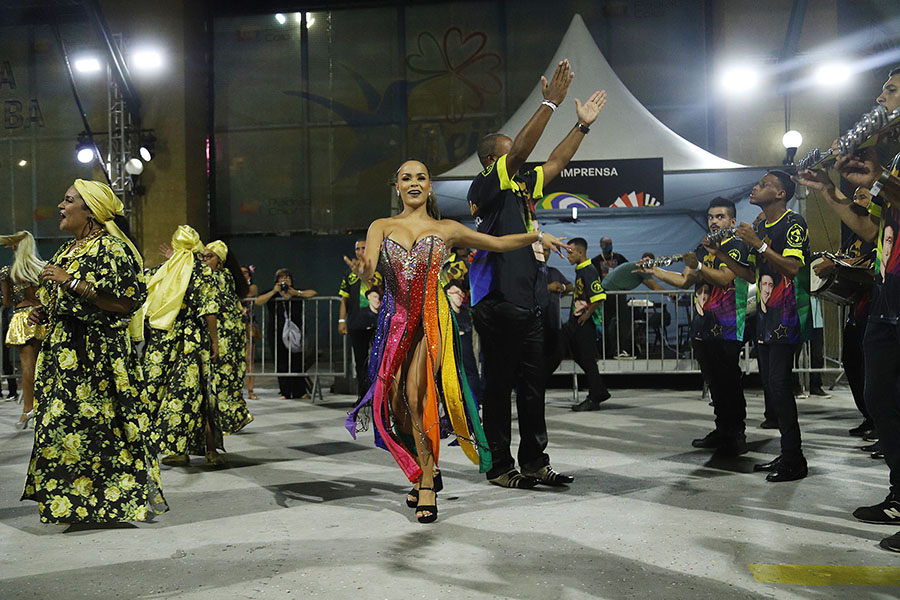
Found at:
[625, 129]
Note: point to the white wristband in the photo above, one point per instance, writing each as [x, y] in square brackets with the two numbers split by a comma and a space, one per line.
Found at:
[342, 320]
[762, 249]
[553, 106]
[540, 237]
[699, 266]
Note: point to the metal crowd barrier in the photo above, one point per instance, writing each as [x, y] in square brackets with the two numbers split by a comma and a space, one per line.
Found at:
[323, 352]
[649, 332]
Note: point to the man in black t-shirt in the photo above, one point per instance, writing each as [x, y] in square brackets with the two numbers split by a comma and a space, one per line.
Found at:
[353, 319]
[881, 342]
[579, 333]
[718, 330]
[509, 290]
[607, 260]
[780, 268]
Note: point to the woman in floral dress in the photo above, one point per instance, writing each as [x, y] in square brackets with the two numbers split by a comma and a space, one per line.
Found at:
[229, 369]
[181, 341]
[91, 461]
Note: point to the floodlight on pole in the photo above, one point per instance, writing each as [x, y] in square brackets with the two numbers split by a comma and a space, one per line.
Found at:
[134, 166]
[739, 79]
[84, 149]
[280, 18]
[146, 60]
[791, 140]
[88, 64]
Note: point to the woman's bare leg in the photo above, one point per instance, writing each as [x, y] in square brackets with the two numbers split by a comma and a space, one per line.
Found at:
[28, 357]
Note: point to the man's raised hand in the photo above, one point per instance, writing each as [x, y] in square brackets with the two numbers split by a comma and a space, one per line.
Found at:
[588, 112]
[556, 89]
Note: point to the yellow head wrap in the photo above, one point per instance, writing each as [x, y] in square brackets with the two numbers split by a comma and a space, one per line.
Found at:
[105, 205]
[219, 248]
[166, 289]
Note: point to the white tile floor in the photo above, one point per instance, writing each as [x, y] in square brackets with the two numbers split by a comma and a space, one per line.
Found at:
[304, 510]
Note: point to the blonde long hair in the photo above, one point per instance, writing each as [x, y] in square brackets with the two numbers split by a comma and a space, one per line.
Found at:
[28, 264]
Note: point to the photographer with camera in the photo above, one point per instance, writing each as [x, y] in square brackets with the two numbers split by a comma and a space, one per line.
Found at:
[287, 306]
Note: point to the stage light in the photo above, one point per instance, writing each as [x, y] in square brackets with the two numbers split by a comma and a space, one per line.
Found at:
[280, 18]
[146, 60]
[134, 166]
[833, 74]
[87, 65]
[739, 79]
[23, 162]
[147, 147]
[85, 155]
[310, 20]
[791, 139]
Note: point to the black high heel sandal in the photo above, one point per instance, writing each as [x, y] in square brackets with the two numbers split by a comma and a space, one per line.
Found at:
[414, 493]
[430, 508]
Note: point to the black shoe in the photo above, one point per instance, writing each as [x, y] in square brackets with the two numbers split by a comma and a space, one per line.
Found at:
[548, 476]
[586, 404]
[768, 424]
[713, 439]
[876, 447]
[891, 543]
[788, 471]
[772, 465]
[861, 430]
[887, 512]
[871, 436]
[514, 479]
[429, 511]
[735, 446]
[819, 392]
[877, 455]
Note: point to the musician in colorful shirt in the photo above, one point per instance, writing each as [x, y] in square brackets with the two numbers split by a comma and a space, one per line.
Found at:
[858, 252]
[718, 333]
[579, 334]
[880, 342]
[780, 252]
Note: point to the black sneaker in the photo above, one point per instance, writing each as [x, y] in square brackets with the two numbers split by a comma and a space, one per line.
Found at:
[887, 512]
[768, 424]
[871, 436]
[862, 429]
[891, 543]
[819, 392]
[586, 404]
[733, 446]
[713, 439]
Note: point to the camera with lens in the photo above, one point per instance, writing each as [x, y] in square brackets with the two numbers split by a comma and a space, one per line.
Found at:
[284, 286]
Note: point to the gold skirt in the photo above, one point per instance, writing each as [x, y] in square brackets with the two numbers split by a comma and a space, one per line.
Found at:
[20, 331]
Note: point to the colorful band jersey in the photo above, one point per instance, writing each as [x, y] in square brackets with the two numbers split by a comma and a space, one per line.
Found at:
[415, 308]
[723, 310]
[784, 315]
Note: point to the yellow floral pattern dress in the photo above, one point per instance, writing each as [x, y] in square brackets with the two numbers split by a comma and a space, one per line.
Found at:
[176, 362]
[91, 461]
[228, 372]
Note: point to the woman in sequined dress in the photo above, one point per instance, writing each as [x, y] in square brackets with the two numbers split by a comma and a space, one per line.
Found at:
[19, 283]
[416, 343]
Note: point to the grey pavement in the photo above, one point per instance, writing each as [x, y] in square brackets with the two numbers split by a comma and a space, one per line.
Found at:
[303, 510]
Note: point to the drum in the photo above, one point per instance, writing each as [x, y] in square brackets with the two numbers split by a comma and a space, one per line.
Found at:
[841, 286]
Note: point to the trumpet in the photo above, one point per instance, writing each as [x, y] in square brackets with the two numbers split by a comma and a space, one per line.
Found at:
[716, 236]
[875, 126]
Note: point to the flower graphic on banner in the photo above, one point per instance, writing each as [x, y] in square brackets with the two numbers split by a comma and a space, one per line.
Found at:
[457, 69]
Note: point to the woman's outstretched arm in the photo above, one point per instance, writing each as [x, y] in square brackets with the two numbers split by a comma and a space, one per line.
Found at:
[464, 237]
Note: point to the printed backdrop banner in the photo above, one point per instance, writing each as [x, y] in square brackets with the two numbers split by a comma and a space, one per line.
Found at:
[600, 183]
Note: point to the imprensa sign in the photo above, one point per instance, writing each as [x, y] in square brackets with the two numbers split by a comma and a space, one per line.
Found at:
[622, 182]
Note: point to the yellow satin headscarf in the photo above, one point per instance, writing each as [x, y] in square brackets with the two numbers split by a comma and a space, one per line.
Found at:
[219, 248]
[105, 205]
[167, 287]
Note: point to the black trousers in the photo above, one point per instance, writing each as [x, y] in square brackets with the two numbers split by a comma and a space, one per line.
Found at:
[582, 341]
[360, 341]
[776, 364]
[721, 368]
[882, 350]
[512, 342]
[287, 362]
[854, 363]
[618, 322]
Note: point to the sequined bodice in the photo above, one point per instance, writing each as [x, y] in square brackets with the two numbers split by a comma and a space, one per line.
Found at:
[403, 266]
[17, 290]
